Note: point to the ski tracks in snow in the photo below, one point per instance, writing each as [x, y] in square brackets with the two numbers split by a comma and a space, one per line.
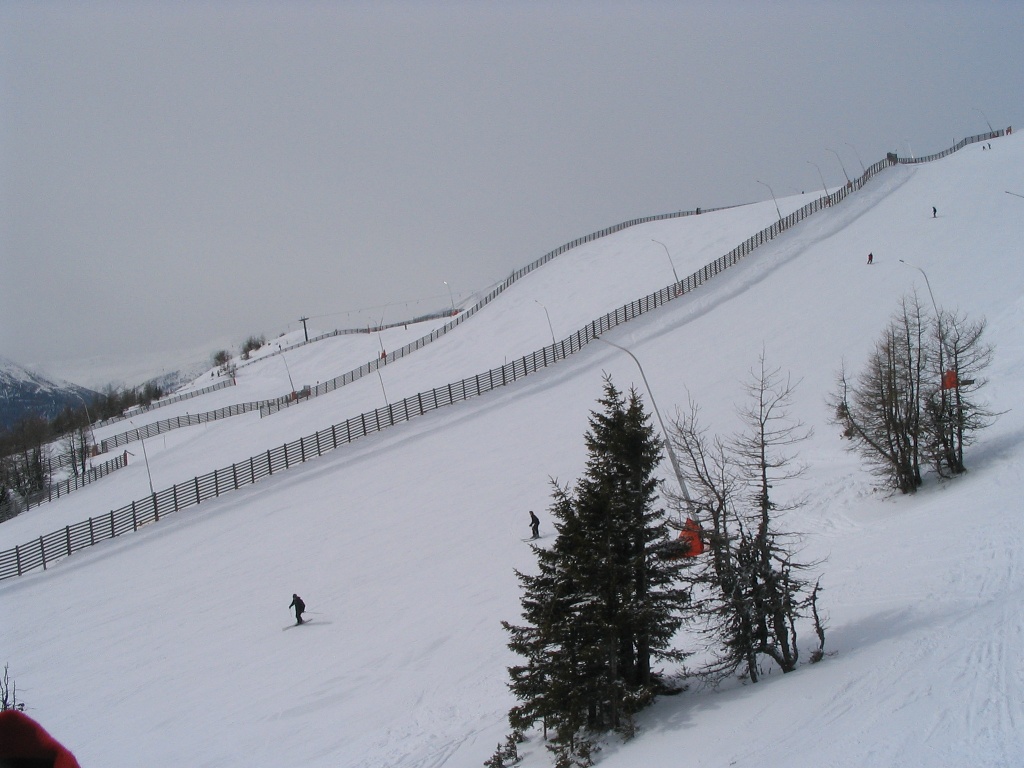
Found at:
[990, 678]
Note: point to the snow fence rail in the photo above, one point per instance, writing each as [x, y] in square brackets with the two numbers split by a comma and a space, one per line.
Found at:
[168, 401]
[63, 488]
[54, 546]
[274, 405]
[188, 420]
[329, 386]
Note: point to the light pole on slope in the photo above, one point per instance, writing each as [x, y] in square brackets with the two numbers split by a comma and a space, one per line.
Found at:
[550, 327]
[668, 443]
[840, 163]
[671, 263]
[820, 176]
[772, 193]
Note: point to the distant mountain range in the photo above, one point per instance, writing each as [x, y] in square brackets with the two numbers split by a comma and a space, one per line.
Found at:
[23, 392]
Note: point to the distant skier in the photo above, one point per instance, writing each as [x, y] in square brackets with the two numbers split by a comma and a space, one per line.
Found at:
[934, 212]
[534, 525]
[299, 607]
[871, 258]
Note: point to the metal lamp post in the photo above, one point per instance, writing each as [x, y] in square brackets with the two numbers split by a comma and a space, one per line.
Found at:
[772, 193]
[145, 456]
[668, 443]
[671, 263]
[820, 176]
[288, 371]
[990, 128]
[855, 152]
[450, 296]
[840, 163]
[550, 327]
[927, 283]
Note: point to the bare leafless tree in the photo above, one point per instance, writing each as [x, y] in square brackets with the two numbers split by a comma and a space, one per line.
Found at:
[881, 412]
[751, 591]
[953, 412]
[915, 400]
[9, 694]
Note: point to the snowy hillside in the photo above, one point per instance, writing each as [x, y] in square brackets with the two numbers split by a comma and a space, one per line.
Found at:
[165, 647]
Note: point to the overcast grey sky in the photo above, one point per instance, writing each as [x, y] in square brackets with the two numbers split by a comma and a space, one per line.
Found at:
[177, 177]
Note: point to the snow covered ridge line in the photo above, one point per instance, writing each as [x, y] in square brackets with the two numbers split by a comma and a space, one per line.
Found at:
[51, 547]
[340, 381]
[956, 147]
[367, 368]
[346, 332]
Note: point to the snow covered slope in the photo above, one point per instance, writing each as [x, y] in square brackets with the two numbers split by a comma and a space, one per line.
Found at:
[166, 647]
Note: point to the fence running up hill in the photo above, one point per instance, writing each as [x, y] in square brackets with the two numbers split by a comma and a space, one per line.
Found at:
[58, 544]
[170, 400]
[273, 406]
[64, 487]
[155, 428]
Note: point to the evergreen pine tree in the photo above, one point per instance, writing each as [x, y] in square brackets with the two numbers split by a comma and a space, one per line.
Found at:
[602, 607]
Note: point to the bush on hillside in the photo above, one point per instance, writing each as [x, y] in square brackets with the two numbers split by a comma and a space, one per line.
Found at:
[251, 345]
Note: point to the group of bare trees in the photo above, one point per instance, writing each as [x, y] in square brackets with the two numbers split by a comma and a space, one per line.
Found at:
[24, 462]
[914, 403]
[9, 693]
[749, 589]
[34, 447]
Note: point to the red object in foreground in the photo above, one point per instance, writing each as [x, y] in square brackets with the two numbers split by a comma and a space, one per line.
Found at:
[24, 742]
[690, 535]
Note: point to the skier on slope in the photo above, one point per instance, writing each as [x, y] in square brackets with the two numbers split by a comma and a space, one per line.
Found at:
[299, 607]
[534, 525]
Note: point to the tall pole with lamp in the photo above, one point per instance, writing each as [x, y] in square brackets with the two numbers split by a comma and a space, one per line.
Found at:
[451, 297]
[550, 327]
[772, 193]
[671, 263]
[855, 152]
[820, 176]
[691, 508]
[840, 163]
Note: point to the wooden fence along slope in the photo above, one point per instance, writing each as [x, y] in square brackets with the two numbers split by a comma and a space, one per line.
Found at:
[168, 401]
[273, 405]
[329, 386]
[63, 488]
[59, 544]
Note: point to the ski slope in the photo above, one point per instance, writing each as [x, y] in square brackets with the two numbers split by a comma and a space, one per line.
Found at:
[165, 647]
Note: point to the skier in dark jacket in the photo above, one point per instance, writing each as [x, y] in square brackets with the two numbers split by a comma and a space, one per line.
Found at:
[534, 525]
[299, 607]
